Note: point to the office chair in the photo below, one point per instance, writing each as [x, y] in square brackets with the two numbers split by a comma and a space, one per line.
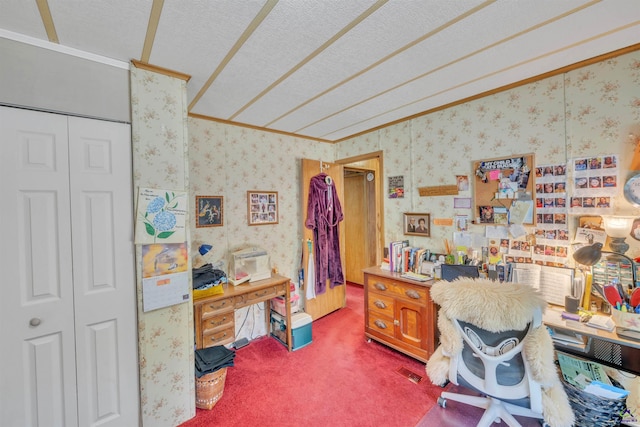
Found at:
[492, 341]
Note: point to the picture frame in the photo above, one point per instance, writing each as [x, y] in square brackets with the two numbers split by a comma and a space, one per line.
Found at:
[417, 224]
[209, 211]
[262, 207]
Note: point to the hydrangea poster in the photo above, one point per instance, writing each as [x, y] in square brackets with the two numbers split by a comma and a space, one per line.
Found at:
[160, 217]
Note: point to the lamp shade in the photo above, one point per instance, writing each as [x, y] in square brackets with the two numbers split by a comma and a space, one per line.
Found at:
[588, 255]
[617, 226]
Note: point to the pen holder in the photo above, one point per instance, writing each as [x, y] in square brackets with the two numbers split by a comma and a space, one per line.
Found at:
[571, 304]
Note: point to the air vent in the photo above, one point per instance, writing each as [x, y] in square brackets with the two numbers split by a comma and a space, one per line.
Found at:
[411, 376]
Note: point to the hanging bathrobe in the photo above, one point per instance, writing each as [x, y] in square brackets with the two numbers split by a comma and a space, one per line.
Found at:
[324, 212]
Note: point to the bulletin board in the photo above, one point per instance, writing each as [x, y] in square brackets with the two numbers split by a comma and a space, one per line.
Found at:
[498, 183]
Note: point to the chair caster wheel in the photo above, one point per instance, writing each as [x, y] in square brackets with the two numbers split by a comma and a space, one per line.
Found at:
[442, 402]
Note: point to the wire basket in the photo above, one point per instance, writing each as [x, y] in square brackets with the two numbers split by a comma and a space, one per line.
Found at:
[594, 411]
[209, 388]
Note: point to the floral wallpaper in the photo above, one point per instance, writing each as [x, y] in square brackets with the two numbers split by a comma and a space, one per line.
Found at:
[589, 111]
[165, 336]
[228, 161]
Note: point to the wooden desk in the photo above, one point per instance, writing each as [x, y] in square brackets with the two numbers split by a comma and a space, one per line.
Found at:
[602, 346]
[214, 316]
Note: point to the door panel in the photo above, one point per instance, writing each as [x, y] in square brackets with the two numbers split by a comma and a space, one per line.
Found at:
[335, 298]
[103, 272]
[37, 332]
[67, 316]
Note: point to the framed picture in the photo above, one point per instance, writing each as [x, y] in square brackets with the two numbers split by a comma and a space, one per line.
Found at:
[262, 207]
[417, 224]
[209, 211]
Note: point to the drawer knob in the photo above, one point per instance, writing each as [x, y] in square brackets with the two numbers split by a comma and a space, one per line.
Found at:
[412, 294]
[380, 324]
[222, 304]
[380, 304]
[221, 337]
[380, 286]
[261, 294]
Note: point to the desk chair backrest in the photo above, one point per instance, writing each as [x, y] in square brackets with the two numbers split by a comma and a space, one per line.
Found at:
[493, 364]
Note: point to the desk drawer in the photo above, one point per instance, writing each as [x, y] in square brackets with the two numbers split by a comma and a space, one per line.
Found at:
[217, 306]
[224, 321]
[222, 337]
[257, 296]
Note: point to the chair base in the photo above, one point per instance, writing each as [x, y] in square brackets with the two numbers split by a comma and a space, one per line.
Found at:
[495, 410]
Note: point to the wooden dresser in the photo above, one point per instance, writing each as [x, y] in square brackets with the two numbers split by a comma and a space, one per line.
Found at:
[400, 313]
[214, 316]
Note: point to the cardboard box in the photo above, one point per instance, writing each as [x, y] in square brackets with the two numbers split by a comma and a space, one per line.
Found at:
[300, 333]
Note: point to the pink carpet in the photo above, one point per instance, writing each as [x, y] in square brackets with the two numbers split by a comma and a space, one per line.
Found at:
[338, 380]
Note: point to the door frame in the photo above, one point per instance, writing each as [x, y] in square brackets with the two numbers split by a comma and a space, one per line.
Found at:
[373, 161]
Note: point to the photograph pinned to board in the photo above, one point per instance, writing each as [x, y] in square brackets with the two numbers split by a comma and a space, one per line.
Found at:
[160, 216]
[595, 183]
[396, 187]
[165, 276]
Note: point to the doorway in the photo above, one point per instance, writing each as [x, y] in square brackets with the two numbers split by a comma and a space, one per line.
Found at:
[363, 214]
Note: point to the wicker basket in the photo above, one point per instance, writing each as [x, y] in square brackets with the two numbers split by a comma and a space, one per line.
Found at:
[594, 411]
[209, 388]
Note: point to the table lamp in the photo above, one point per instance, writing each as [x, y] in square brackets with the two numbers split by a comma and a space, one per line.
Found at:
[618, 228]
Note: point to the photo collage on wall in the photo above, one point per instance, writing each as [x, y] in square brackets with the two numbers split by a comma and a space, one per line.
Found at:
[595, 182]
[552, 229]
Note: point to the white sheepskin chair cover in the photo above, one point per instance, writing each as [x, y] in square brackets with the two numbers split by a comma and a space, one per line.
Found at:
[498, 307]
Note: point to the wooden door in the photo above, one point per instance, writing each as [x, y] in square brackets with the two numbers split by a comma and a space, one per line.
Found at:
[69, 347]
[355, 224]
[335, 298]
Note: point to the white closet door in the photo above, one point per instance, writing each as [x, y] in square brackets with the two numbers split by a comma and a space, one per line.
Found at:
[104, 272]
[37, 361]
[68, 262]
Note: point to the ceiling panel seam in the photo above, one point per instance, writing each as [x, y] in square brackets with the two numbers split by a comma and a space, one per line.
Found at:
[383, 60]
[443, 66]
[260, 17]
[521, 63]
[313, 54]
[152, 28]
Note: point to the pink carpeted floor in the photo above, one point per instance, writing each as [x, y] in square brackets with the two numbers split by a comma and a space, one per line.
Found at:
[339, 380]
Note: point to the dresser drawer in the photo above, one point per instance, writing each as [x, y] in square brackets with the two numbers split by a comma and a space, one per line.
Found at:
[218, 321]
[383, 285]
[381, 324]
[411, 293]
[382, 304]
[222, 337]
[217, 306]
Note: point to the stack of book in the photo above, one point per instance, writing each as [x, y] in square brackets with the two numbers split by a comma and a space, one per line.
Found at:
[403, 258]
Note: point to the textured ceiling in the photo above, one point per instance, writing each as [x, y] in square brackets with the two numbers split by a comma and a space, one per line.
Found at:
[331, 69]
